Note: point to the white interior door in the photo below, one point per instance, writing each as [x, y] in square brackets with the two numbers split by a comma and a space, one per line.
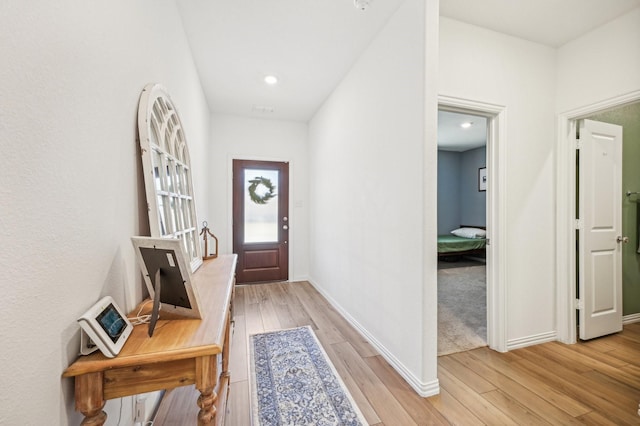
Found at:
[600, 233]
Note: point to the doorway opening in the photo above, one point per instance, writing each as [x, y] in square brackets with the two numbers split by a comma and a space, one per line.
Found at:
[490, 181]
[607, 261]
[569, 263]
[462, 225]
[261, 220]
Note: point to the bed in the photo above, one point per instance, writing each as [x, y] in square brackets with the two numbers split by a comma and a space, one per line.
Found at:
[466, 240]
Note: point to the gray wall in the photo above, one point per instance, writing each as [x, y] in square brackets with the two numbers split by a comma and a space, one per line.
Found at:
[459, 201]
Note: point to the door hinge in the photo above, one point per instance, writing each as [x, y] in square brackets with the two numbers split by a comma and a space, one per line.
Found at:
[488, 241]
[578, 144]
[578, 224]
[579, 304]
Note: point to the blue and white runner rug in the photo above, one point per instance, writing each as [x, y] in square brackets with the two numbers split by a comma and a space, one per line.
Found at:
[295, 384]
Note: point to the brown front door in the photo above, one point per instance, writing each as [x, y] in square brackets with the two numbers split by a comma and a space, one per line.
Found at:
[261, 220]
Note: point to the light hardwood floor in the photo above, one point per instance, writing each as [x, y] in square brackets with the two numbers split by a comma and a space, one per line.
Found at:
[596, 382]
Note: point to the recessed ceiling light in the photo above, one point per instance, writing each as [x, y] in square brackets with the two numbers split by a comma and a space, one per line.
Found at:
[466, 125]
[271, 80]
[362, 4]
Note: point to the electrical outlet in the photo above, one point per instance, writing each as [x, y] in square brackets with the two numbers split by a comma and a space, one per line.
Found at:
[139, 415]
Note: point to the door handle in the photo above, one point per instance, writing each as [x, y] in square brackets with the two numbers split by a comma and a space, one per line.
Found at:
[620, 239]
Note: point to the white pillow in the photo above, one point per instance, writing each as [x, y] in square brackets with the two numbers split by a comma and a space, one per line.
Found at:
[470, 232]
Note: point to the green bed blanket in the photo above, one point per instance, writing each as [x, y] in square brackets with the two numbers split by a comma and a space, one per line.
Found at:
[453, 244]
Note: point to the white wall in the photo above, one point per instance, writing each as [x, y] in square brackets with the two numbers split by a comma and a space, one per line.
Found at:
[71, 193]
[601, 64]
[485, 66]
[366, 164]
[236, 137]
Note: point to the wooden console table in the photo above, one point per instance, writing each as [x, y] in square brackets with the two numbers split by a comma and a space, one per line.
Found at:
[181, 352]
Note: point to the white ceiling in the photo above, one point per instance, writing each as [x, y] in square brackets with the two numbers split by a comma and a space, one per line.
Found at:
[550, 22]
[311, 44]
[452, 137]
[308, 44]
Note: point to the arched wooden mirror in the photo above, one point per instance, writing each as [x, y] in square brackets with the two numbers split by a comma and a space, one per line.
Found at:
[167, 172]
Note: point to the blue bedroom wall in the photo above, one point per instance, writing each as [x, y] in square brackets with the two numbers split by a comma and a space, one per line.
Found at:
[459, 201]
[448, 191]
[473, 203]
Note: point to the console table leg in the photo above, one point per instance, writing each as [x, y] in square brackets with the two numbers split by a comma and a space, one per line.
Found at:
[90, 399]
[207, 414]
[225, 348]
[206, 380]
[97, 420]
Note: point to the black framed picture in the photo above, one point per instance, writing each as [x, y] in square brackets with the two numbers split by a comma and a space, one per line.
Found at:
[482, 179]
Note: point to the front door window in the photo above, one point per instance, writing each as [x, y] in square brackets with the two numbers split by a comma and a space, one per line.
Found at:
[261, 206]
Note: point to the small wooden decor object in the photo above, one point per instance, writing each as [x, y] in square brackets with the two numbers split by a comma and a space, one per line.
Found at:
[206, 233]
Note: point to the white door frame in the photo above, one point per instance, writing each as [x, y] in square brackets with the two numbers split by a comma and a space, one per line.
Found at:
[496, 212]
[566, 211]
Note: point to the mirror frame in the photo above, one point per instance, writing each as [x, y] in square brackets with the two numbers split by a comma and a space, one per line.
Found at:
[170, 197]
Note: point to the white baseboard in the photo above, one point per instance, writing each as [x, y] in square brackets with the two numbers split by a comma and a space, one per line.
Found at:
[630, 319]
[423, 389]
[536, 339]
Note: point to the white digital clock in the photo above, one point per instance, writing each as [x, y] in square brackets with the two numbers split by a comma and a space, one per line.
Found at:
[107, 326]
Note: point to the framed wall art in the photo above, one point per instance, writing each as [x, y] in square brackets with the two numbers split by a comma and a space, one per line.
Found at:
[482, 179]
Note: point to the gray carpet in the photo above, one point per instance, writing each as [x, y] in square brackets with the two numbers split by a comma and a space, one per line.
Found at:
[462, 309]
